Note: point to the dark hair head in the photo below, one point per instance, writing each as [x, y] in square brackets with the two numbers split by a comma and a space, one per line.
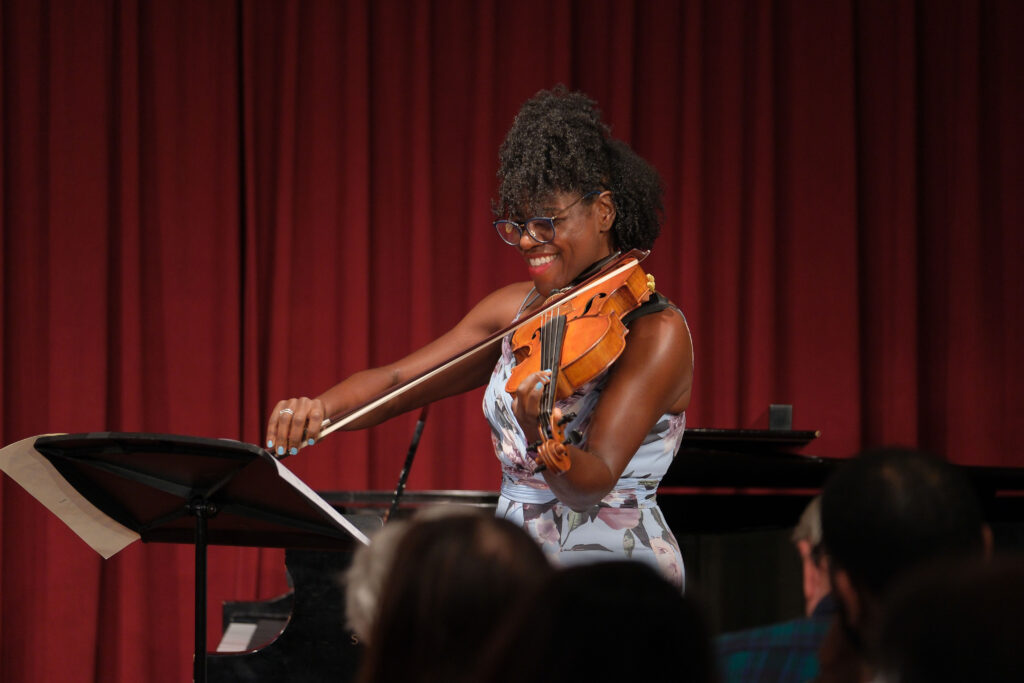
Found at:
[954, 621]
[587, 622]
[558, 143]
[452, 579]
[886, 511]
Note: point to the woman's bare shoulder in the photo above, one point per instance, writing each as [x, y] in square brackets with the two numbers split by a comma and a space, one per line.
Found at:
[500, 307]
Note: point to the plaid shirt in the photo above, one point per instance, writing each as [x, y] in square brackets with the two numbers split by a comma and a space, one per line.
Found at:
[783, 653]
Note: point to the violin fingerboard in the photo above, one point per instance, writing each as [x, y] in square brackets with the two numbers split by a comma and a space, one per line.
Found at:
[552, 334]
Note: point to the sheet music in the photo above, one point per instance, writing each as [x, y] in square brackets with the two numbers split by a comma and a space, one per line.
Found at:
[34, 473]
[314, 497]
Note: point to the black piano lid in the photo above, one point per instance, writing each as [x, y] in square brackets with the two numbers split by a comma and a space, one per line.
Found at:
[747, 439]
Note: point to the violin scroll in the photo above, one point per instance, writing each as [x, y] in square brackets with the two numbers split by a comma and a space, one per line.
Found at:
[552, 453]
[553, 456]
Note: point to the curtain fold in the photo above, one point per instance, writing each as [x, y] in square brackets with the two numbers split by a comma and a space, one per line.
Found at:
[207, 207]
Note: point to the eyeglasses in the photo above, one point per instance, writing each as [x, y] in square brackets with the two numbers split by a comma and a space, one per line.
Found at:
[541, 229]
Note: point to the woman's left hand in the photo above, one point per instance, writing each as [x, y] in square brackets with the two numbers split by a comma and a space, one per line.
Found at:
[526, 403]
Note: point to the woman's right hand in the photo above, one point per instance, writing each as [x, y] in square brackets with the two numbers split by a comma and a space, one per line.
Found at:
[294, 424]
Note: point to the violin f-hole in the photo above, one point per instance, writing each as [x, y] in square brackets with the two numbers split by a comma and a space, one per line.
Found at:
[590, 302]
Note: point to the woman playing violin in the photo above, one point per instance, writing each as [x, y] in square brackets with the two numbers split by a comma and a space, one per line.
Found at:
[570, 199]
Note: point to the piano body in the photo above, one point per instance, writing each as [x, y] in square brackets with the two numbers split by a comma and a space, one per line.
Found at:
[731, 497]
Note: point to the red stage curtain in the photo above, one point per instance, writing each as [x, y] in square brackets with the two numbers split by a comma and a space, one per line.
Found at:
[208, 206]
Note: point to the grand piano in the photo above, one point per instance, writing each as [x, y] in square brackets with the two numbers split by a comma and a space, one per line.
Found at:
[731, 497]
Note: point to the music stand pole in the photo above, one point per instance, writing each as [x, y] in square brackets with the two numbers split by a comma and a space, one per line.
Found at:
[201, 510]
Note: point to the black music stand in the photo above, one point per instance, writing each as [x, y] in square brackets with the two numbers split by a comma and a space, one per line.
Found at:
[182, 489]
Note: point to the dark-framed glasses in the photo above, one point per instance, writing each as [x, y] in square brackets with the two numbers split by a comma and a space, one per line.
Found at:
[541, 229]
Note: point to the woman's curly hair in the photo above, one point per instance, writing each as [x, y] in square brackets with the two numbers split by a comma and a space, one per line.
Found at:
[558, 143]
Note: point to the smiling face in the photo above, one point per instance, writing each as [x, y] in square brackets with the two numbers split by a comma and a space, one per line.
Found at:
[582, 237]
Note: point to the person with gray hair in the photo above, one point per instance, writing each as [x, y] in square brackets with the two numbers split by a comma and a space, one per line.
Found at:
[786, 651]
[364, 579]
[814, 565]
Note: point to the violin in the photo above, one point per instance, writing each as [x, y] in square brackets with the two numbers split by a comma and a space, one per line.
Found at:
[576, 341]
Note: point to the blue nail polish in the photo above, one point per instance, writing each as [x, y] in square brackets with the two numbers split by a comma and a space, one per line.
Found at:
[270, 444]
[280, 450]
[540, 385]
[311, 442]
[293, 450]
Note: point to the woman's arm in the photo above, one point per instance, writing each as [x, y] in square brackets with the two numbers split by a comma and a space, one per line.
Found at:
[296, 422]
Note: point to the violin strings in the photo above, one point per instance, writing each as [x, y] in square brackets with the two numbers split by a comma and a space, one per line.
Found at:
[552, 337]
[546, 354]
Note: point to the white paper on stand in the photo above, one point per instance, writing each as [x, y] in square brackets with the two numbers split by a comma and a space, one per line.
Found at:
[34, 473]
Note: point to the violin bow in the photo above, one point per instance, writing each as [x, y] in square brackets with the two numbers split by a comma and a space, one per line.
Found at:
[620, 265]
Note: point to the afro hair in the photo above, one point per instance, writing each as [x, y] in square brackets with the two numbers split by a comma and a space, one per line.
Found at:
[558, 143]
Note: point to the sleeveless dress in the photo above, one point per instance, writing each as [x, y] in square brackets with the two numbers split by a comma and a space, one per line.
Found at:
[625, 524]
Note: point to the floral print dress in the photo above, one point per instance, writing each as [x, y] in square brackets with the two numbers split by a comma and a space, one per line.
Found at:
[626, 524]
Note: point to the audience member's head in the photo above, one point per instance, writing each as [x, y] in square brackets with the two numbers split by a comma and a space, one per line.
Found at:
[451, 582]
[611, 621]
[884, 513]
[364, 578]
[807, 539]
[954, 622]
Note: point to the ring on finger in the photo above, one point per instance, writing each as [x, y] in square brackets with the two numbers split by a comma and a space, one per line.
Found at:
[286, 411]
